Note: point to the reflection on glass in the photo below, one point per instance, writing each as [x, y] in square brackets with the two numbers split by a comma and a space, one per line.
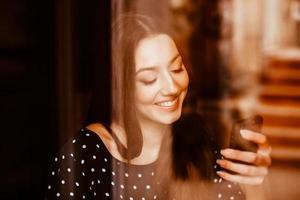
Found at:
[175, 93]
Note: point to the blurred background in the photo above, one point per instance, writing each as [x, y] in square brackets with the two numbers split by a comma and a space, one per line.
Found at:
[245, 57]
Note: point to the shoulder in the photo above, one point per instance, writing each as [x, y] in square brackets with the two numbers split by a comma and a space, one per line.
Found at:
[100, 130]
[103, 134]
[75, 168]
[82, 145]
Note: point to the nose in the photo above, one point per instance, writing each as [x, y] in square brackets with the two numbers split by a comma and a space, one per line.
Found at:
[169, 86]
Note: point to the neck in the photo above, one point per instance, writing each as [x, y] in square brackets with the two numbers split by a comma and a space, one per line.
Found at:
[153, 134]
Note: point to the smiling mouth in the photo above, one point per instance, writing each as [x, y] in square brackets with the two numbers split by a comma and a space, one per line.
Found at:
[167, 104]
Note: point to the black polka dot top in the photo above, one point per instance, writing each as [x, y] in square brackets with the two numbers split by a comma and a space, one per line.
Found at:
[84, 169]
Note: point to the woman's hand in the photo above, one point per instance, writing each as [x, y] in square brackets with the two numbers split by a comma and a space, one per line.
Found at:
[256, 164]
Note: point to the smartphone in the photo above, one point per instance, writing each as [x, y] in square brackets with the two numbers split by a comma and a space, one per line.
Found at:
[254, 123]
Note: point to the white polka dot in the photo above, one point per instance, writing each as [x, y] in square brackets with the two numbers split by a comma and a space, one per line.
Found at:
[77, 184]
[148, 187]
[134, 187]
[57, 194]
[113, 173]
[84, 146]
[240, 192]
[121, 196]
[87, 134]
[126, 174]
[53, 173]
[130, 198]
[231, 198]
[97, 145]
[58, 169]
[143, 198]
[139, 175]
[219, 195]
[152, 173]
[215, 180]
[72, 155]
[63, 157]
[95, 194]
[83, 197]
[73, 141]
[154, 197]
[98, 181]
[107, 194]
[220, 180]
[90, 188]
[122, 186]
[105, 159]
[92, 169]
[71, 194]
[82, 162]
[103, 170]
[69, 170]
[83, 174]
[94, 157]
[112, 183]
[92, 183]
[229, 185]
[63, 181]
[55, 159]
[215, 166]
[49, 187]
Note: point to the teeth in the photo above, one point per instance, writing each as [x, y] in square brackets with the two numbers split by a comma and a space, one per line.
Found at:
[167, 103]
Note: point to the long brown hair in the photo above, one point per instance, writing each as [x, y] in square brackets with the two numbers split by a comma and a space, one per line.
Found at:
[127, 31]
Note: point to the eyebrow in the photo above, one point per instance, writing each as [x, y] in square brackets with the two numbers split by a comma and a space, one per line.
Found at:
[154, 67]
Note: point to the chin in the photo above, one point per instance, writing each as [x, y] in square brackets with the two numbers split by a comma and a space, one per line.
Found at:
[169, 119]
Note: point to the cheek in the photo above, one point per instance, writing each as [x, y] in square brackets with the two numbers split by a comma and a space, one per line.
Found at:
[183, 81]
[145, 94]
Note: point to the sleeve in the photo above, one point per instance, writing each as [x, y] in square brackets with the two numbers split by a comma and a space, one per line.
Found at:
[67, 176]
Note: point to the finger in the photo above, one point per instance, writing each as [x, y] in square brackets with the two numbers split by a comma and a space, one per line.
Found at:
[246, 156]
[243, 169]
[262, 141]
[258, 138]
[253, 136]
[256, 180]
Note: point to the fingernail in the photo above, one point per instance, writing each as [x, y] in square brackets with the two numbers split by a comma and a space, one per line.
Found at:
[223, 151]
[220, 162]
[220, 173]
[244, 133]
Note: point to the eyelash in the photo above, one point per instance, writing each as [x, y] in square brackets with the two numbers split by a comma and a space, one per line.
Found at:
[178, 70]
[148, 82]
[153, 81]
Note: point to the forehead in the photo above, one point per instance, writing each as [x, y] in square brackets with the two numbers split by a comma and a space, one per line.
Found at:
[155, 51]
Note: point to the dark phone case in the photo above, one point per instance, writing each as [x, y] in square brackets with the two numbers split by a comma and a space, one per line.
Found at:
[254, 123]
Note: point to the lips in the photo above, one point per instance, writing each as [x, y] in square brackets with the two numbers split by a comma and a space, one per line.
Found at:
[169, 104]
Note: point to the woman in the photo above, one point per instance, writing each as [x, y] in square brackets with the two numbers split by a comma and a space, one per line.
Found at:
[149, 149]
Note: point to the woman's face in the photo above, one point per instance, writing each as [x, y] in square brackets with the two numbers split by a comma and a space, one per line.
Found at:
[161, 80]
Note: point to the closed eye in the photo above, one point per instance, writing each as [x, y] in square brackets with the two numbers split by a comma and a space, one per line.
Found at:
[177, 70]
[148, 82]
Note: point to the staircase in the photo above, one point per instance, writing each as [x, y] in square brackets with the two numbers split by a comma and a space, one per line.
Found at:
[279, 103]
